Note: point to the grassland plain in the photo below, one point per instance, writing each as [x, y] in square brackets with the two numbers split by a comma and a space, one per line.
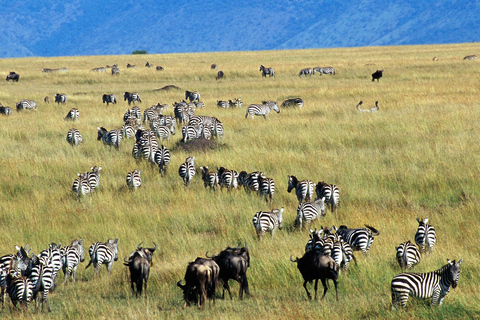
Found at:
[418, 156]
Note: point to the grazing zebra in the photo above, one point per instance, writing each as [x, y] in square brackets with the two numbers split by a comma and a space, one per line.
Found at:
[267, 188]
[295, 102]
[101, 69]
[359, 239]
[261, 109]
[134, 179]
[19, 289]
[187, 170]
[103, 253]
[220, 75]
[42, 278]
[303, 188]
[73, 115]
[60, 98]
[131, 97]
[81, 186]
[72, 255]
[210, 178]
[134, 114]
[26, 105]
[111, 138]
[267, 71]
[13, 76]
[324, 70]
[162, 159]
[267, 221]
[331, 194]
[192, 96]
[115, 71]
[470, 57]
[371, 110]
[425, 237]
[309, 211]
[74, 137]
[164, 132]
[54, 70]
[407, 255]
[109, 98]
[305, 72]
[5, 110]
[227, 178]
[435, 284]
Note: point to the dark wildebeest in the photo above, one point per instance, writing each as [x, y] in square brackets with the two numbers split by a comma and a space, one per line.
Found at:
[220, 75]
[200, 281]
[314, 266]
[377, 75]
[233, 263]
[13, 76]
[60, 98]
[109, 98]
[139, 263]
[192, 95]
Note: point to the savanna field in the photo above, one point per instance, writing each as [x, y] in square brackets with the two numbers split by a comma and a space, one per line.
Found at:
[418, 156]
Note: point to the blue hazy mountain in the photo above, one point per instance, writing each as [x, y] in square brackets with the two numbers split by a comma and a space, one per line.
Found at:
[107, 27]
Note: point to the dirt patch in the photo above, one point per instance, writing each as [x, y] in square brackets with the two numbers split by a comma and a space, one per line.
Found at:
[168, 88]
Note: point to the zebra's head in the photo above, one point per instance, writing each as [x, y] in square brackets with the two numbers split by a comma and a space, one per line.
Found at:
[101, 132]
[114, 245]
[279, 213]
[422, 222]
[292, 183]
[78, 244]
[454, 272]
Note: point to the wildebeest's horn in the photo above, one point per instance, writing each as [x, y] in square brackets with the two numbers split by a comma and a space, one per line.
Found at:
[139, 246]
[210, 257]
[293, 260]
[154, 248]
[126, 262]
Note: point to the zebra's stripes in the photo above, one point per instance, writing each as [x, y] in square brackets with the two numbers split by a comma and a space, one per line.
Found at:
[192, 96]
[115, 71]
[267, 222]
[134, 114]
[267, 188]
[109, 98]
[305, 72]
[12, 263]
[134, 179]
[111, 138]
[425, 237]
[72, 255]
[227, 178]
[131, 97]
[42, 278]
[407, 255]
[53, 256]
[223, 104]
[81, 186]
[210, 178]
[187, 170]
[146, 145]
[342, 254]
[330, 192]
[26, 104]
[303, 188]
[324, 70]
[93, 177]
[60, 98]
[309, 211]
[162, 159]
[5, 110]
[192, 132]
[19, 289]
[103, 253]
[294, 102]
[262, 109]
[435, 284]
[72, 115]
[74, 137]
[267, 71]
[360, 239]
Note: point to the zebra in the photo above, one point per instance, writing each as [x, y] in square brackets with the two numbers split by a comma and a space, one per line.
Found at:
[26, 104]
[267, 71]
[60, 98]
[12, 263]
[145, 146]
[331, 194]
[210, 178]
[342, 254]
[103, 253]
[73, 115]
[93, 177]
[470, 57]
[192, 95]
[148, 65]
[227, 178]
[305, 72]
[134, 114]
[19, 289]
[267, 188]
[81, 186]
[309, 211]
[324, 70]
[267, 221]
[54, 258]
[407, 255]
[371, 110]
[134, 179]
[162, 159]
[217, 129]
[100, 69]
[128, 130]
[164, 132]
[220, 75]
[303, 188]
[74, 137]
[261, 109]
[192, 132]
[236, 102]
[223, 104]
[131, 97]
[199, 104]
[213, 66]
[72, 255]
[111, 138]
[109, 98]
[294, 102]
[5, 110]
[360, 239]
[187, 170]
[435, 284]
[42, 278]
[425, 237]
[252, 181]
[115, 71]
[159, 68]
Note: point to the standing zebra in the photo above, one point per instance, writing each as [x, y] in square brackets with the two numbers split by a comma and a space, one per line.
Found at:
[54, 258]
[72, 255]
[294, 102]
[267, 221]
[425, 237]
[267, 188]
[145, 146]
[115, 71]
[261, 109]
[111, 138]
[303, 188]
[74, 137]
[103, 253]
[187, 170]
[324, 70]
[267, 71]
[331, 194]
[134, 179]
[252, 181]
[435, 284]
[109, 98]
[162, 159]
[210, 178]
[309, 211]
[73, 115]
[81, 186]
[19, 289]
[131, 97]
[407, 255]
[227, 178]
[60, 98]
[192, 132]
[93, 177]
[42, 278]
[305, 72]
[192, 96]
[5, 110]
[360, 239]
[26, 105]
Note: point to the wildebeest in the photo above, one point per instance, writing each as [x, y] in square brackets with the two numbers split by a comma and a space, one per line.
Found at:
[267, 71]
[60, 98]
[13, 76]
[377, 75]
[315, 266]
[192, 95]
[220, 75]
[131, 97]
[139, 263]
[109, 98]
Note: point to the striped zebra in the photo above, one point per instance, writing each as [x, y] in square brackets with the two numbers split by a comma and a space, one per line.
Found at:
[74, 137]
[305, 72]
[252, 181]
[342, 254]
[26, 104]
[115, 71]
[133, 114]
[164, 132]
[110, 138]
[132, 66]
[60, 98]
[407, 255]
[303, 188]
[359, 239]
[192, 132]
[72, 115]
[192, 96]
[162, 159]
[331, 194]
[267, 188]
[54, 258]
[12, 263]
[109, 98]
[182, 112]
[425, 237]
[435, 284]
[103, 253]
[5, 110]
[93, 177]
[324, 70]
[72, 255]
[267, 221]
[129, 129]
[267, 71]
[261, 109]
[236, 102]
[470, 57]
[134, 179]
[146, 145]
[19, 289]
[309, 211]
[294, 102]
[210, 178]
[187, 170]
[42, 278]
[131, 97]
[81, 186]
[227, 178]
[223, 104]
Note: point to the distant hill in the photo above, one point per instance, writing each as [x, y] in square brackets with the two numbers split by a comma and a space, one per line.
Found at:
[91, 27]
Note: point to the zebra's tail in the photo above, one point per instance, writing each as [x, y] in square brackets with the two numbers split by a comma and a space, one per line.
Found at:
[375, 232]
[88, 265]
